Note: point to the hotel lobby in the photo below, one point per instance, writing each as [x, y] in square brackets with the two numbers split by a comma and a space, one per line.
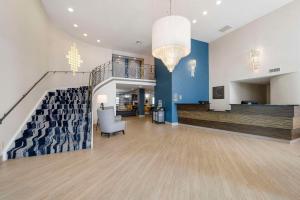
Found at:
[150, 99]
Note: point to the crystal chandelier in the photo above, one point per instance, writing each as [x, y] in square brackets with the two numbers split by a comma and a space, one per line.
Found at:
[171, 39]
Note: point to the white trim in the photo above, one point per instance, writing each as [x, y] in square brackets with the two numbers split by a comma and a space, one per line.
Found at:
[172, 123]
[92, 126]
[220, 131]
[295, 141]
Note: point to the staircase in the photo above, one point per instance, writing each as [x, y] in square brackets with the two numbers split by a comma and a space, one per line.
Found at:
[61, 123]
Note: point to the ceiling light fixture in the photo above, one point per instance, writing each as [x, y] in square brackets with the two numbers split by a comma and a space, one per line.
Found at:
[70, 10]
[75, 25]
[194, 21]
[204, 13]
[85, 34]
[171, 39]
[98, 41]
[219, 2]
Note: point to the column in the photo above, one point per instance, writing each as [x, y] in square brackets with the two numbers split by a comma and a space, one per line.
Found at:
[141, 102]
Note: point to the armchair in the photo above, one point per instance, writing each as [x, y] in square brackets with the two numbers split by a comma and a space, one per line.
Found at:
[109, 124]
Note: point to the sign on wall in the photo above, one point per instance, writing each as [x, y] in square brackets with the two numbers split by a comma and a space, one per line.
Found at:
[218, 92]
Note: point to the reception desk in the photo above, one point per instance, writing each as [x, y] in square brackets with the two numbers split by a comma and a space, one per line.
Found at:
[276, 121]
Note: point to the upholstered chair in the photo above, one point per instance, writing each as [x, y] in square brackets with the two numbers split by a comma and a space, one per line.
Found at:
[109, 124]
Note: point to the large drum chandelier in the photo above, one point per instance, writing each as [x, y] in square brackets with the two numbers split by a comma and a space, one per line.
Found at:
[171, 39]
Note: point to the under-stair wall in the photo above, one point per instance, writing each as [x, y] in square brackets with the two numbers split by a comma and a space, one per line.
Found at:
[16, 120]
[61, 123]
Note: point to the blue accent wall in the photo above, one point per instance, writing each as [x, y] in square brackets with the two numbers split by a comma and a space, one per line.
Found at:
[163, 88]
[180, 83]
[141, 101]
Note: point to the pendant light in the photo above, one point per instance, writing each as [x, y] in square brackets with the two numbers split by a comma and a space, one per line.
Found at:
[171, 39]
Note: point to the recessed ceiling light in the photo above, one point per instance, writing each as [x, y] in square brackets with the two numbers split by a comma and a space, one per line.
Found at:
[194, 21]
[85, 34]
[204, 13]
[218, 2]
[98, 41]
[70, 10]
[75, 25]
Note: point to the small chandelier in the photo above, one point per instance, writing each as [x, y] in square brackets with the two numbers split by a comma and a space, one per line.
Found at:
[255, 59]
[74, 58]
[171, 39]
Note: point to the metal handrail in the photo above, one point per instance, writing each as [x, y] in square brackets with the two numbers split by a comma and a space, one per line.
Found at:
[25, 94]
[96, 76]
[108, 70]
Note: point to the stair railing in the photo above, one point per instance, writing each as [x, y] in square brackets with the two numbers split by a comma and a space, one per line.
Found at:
[113, 69]
[28, 91]
[98, 75]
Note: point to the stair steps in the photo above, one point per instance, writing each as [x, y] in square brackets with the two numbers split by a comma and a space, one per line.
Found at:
[62, 123]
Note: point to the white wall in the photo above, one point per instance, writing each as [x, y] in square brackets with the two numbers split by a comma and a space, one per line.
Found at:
[23, 50]
[277, 34]
[250, 92]
[285, 89]
[59, 45]
[110, 90]
[92, 55]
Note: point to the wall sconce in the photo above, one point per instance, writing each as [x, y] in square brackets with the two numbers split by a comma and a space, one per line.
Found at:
[192, 67]
[74, 58]
[176, 97]
[255, 59]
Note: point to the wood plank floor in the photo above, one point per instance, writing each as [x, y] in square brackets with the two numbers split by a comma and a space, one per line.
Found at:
[160, 162]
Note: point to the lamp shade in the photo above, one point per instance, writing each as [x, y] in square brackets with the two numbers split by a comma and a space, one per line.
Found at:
[171, 40]
[101, 99]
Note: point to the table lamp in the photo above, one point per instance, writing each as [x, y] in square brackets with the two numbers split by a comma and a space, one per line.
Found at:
[101, 99]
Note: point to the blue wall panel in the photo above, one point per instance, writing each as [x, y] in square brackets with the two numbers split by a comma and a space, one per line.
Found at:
[191, 89]
[163, 88]
[180, 83]
[141, 101]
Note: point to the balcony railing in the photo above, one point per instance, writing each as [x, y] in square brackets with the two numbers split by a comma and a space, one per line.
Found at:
[112, 69]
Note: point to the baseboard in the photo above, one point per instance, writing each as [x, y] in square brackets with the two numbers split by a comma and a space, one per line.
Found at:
[172, 123]
[295, 141]
[3, 158]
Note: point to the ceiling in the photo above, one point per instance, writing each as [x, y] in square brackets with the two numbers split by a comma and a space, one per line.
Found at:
[119, 23]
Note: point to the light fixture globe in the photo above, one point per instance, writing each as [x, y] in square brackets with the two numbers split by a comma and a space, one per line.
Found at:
[171, 40]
